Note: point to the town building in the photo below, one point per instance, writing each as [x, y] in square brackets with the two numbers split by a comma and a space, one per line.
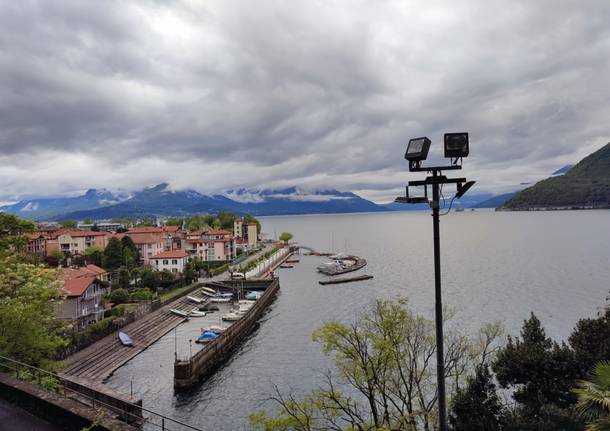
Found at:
[251, 234]
[148, 244]
[173, 261]
[37, 243]
[71, 242]
[105, 226]
[85, 288]
[238, 225]
[212, 245]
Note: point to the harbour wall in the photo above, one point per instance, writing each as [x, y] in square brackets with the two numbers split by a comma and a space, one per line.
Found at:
[190, 372]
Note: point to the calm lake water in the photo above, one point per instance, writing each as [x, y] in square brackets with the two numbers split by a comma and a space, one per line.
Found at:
[496, 266]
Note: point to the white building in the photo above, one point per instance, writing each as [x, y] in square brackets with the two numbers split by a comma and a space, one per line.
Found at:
[173, 261]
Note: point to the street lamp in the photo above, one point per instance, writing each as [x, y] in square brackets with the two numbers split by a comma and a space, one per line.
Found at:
[456, 148]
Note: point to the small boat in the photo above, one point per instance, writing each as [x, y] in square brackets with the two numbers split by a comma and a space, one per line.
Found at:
[345, 279]
[206, 337]
[286, 266]
[209, 308]
[217, 329]
[196, 313]
[253, 296]
[231, 317]
[292, 260]
[125, 340]
[208, 290]
[195, 300]
[225, 295]
[220, 300]
[179, 313]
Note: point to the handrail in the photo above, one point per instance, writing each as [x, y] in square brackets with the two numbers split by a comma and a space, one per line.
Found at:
[124, 414]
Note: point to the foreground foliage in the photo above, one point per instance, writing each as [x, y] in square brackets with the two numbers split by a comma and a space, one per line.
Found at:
[385, 374]
[594, 398]
[29, 295]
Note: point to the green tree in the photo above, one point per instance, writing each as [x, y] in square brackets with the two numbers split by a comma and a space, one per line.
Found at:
[94, 255]
[113, 254]
[124, 278]
[594, 398]
[146, 221]
[285, 236]
[142, 295]
[118, 296]
[174, 221]
[226, 220]
[541, 374]
[150, 279]
[384, 379]
[477, 407]
[591, 342]
[68, 224]
[190, 272]
[12, 233]
[29, 296]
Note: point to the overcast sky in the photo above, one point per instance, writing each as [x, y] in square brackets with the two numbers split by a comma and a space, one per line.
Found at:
[213, 95]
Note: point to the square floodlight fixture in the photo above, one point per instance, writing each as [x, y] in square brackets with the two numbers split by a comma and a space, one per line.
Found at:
[417, 149]
[456, 145]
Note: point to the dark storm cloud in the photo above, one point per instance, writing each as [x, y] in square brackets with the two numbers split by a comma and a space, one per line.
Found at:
[214, 95]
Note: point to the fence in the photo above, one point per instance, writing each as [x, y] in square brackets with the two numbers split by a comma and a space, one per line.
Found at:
[127, 411]
[269, 263]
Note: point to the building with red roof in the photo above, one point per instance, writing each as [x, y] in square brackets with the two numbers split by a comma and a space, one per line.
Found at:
[72, 242]
[84, 288]
[173, 261]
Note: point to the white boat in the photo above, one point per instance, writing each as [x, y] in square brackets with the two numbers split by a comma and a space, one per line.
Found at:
[231, 317]
[217, 300]
[195, 300]
[208, 290]
[217, 329]
[196, 313]
[179, 312]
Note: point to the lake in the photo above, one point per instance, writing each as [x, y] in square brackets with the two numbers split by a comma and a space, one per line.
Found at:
[495, 266]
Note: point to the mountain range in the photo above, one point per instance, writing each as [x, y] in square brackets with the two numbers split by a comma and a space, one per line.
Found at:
[586, 185]
[163, 200]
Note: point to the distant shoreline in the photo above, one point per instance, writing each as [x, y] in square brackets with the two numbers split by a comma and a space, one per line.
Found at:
[561, 208]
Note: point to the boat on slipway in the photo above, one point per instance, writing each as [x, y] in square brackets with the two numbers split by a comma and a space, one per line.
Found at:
[125, 339]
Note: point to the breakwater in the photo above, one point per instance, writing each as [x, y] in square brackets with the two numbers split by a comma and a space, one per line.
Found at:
[188, 372]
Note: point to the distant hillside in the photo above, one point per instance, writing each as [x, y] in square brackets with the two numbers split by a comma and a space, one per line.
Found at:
[563, 170]
[586, 185]
[496, 201]
[161, 200]
[47, 208]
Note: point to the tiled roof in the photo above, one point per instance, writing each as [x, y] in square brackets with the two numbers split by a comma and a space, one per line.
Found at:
[77, 280]
[79, 233]
[145, 229]
[147, 239]
[174, 254]
[216, 232]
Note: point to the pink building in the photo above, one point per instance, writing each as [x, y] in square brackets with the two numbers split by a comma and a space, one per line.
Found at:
[213, 245]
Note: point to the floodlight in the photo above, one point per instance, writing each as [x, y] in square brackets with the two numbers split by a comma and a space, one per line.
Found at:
[463, 188]
[456, 145]
[417, 149]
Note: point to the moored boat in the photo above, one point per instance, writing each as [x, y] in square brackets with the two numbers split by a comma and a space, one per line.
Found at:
[196, 313]
[195, 300]
[231, 317]
[125, 339]
[220, 300]
[206, 337]
[179, 312]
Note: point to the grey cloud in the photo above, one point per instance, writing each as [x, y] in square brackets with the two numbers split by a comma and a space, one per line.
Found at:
[295, 92]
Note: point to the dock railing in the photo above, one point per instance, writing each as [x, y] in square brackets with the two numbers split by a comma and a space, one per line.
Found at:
[127, 411]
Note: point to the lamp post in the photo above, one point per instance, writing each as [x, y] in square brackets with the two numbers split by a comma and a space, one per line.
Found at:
[456, 147]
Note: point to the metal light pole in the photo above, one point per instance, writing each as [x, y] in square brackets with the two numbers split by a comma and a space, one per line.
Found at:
[417, 151]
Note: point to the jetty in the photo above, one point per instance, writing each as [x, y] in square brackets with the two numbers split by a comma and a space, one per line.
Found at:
[188, 372]
[345, 279]
[333, 268]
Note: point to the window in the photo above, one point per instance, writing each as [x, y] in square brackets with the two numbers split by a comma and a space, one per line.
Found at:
[174, 261]
[149, 246]
[165, 262]
[174, 270]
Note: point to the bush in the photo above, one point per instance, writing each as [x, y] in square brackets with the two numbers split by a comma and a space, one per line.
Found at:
[117, 311]
[119, 296]
[142, 295]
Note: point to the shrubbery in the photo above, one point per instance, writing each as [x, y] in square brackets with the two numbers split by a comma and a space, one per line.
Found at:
[119, 296]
